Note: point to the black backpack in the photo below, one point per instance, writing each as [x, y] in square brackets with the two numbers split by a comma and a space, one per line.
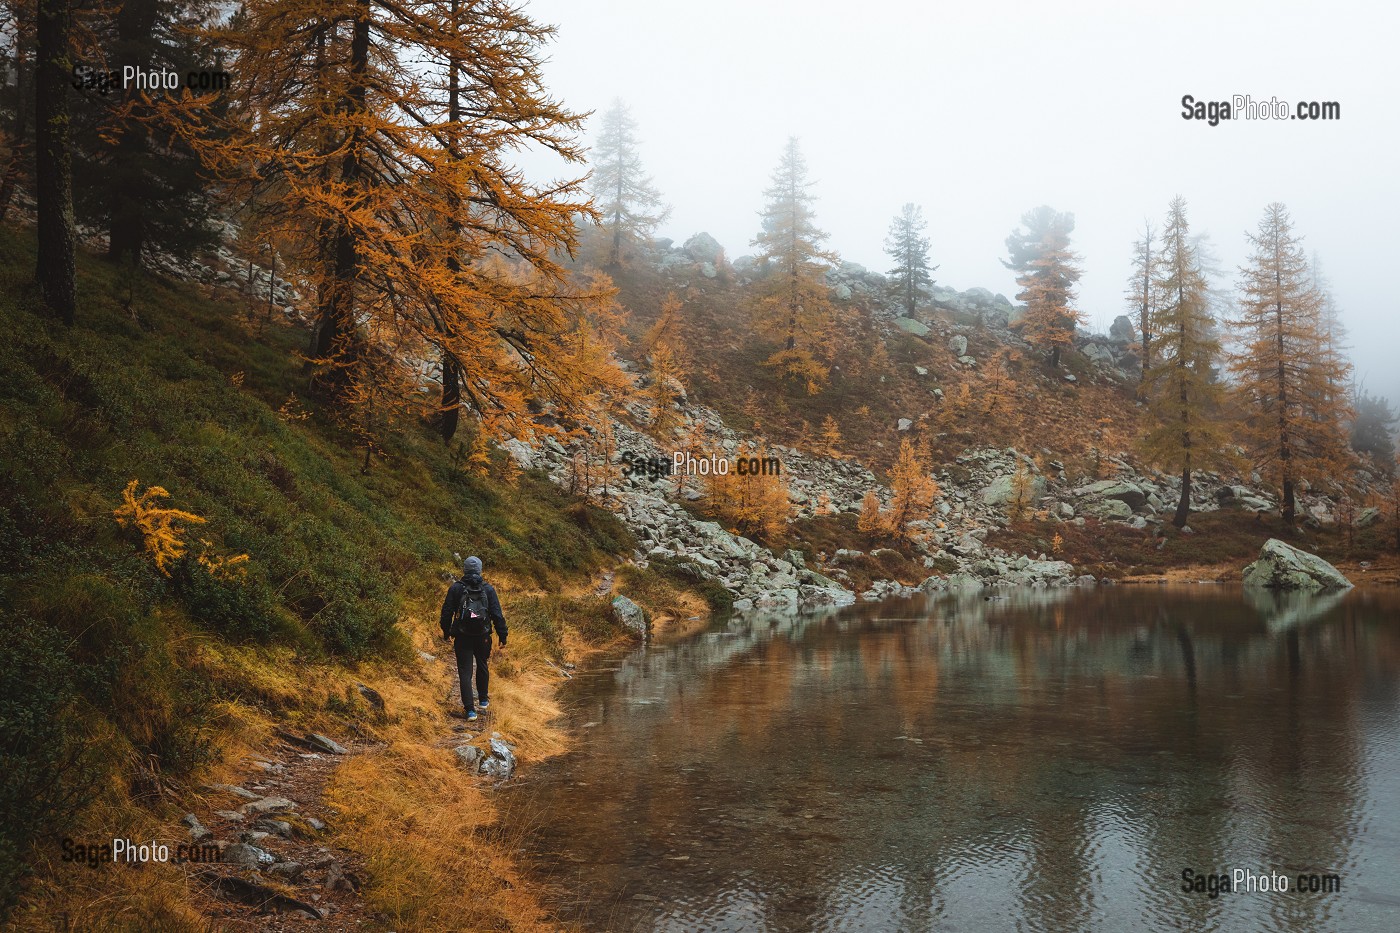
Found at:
[472, 617]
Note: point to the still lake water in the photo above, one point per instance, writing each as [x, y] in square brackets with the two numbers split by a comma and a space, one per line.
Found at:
[1051, 761]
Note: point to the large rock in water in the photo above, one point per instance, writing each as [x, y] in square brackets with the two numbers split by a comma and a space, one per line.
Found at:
[1282, 566]
[629, 614]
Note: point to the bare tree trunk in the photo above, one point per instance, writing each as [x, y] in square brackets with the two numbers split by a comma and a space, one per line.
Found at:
[451, 397]
[1144, 324]
[451, 372]
[54, 172]
[1285, 451]
[1183, 506]
[337, 302]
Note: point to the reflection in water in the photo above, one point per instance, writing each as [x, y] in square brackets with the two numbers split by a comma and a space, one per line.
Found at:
[1051, 760]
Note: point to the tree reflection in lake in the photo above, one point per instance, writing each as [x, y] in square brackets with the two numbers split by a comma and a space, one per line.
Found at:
[1050, 760]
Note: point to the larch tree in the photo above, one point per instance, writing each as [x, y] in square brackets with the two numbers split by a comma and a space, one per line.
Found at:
[1332, 324]
[831, 436]
[998, 390]
[629, 206]
[1287, 380]
[1022, 491]
[908, 247]
[1183, 394]
[1373, 427]
[56, 267]
[914, 488]
[375, 139]
[871, 520]
[754, 504]
[1334, 330]
[664, 347]
[794, 307]
[1047, 271]
[1141, 296]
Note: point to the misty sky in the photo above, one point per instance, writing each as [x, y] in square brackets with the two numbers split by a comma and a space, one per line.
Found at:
[979, 112]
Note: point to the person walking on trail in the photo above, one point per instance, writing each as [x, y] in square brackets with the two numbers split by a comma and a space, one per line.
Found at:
[468, 614]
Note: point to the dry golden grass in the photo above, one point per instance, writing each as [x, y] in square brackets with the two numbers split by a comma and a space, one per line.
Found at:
[437, 854]
[439, 859]
[110, 899]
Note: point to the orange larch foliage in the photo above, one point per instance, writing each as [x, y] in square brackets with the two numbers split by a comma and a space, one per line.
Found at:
[872, 520]
[375, 140]
[914, 490]
[753, 504]
[160, 527]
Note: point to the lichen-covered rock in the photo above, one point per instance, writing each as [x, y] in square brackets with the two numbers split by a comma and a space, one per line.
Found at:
[1282, 566]
[500, 764]
[630, 615]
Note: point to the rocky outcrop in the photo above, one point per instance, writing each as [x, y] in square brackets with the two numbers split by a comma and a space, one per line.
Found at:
[1281, 566]
[630, 616]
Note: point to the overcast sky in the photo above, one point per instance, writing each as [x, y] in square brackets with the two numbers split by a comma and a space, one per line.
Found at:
[981, 111]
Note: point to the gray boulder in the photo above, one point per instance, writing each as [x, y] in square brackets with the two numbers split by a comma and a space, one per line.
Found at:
[520, 452]
[325, 744]
[1282, 566]
[703, 248]
[500, 763]
[1227, 494]
[1122, 329]
[999, 491]
[1098, 353]
[240, 853]
[911, 326]
[197, 830]
[267, 805]
[958, 344]
[963, 583]
[1116, 489]
[629, 615]
[813, 596]
[1113, 509]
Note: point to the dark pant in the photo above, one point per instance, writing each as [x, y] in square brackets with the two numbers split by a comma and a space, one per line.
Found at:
[469, 648]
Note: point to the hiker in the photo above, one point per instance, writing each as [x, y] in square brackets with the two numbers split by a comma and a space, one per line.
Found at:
[468, 613]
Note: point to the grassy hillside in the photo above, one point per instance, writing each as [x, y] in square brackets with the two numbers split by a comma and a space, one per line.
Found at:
[121, 685]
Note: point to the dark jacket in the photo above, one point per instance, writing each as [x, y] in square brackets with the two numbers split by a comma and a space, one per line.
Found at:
[454, 599]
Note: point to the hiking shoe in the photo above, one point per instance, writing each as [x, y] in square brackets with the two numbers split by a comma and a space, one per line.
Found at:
[471, 716]
[484, 704]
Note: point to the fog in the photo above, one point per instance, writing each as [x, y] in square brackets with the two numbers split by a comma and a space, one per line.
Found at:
[981, 112]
